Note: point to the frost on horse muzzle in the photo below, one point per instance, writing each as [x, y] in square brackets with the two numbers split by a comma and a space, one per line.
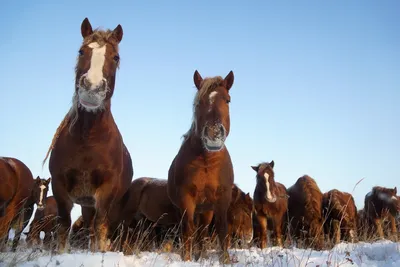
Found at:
[213, 137]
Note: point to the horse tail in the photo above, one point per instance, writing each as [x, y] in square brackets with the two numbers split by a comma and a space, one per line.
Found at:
[61, 127]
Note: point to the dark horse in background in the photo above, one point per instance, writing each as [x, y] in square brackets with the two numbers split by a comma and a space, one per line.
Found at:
[44, 220]
[18, 194]
[201, 174]
[89, 161]
[380, 205]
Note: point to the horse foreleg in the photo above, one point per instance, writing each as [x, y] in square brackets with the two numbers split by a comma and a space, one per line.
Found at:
[262, 221]
[64, 206]
[278, 231]
[221, 225]
[88, 231]
[203, 233]
[393, 228]
[379, 229]
[188, 227]
[23, 221]
[336, 231]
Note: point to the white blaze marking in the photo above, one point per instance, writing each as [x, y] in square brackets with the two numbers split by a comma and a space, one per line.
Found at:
[95, 72]
[269, 195]
[42, 188]
[211, 98]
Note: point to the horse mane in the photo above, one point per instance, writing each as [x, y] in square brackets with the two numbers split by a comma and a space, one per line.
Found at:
[206, 87]
[379, 189]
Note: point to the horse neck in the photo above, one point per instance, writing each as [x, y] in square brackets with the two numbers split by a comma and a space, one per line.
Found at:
[86, 121]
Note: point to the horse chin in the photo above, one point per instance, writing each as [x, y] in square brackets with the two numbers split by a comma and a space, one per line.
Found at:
[213, 146]
[90, 101]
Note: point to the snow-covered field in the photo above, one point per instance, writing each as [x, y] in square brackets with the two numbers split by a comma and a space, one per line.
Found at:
[383, 253]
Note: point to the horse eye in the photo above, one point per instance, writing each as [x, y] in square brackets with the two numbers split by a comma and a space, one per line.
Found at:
[80, 52]
[228, 101]
[116, 58]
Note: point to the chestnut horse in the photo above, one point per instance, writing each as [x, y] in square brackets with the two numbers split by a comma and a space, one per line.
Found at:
[79, 234]
[270, 202]
[201, 174]
[340, 214]
[305, 211]
[89, 161]
[379, 205]
[45, 220]
[18, 194]
[240, 217]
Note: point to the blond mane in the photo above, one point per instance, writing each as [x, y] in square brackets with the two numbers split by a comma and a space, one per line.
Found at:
[207, 86]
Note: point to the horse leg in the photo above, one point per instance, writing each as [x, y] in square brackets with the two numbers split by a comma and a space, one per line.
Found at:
[88, 214]
[188, 227]
[336, 231]
[278, 231]
[47, 240]
[64, 206]
[202, 233]
[379, 229]
[262, 221]
[393, 229]
[104, 204]
[221, 224]
[23, 221]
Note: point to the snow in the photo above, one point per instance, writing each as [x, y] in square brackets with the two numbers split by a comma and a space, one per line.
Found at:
[383, 253]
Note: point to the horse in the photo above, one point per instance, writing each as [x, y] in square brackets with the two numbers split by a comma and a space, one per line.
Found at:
[382, 204]
[270, 202]
[340, 213]
[240, 217]
[149, 201]
[44, 220]
[201, 174]
[89, 161]
[305, 211]
[18, 194]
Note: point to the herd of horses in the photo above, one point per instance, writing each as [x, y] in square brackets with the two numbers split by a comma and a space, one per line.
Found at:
[91, 166]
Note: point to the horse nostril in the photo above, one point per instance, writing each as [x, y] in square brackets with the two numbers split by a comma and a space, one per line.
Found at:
[222, 130]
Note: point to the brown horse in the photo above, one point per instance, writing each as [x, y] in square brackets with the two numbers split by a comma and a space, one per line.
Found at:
[270, 202]
[201, 174]
[148, 199]
[18, 194]
[45, 220]
[240, 217]
[340, 214]
[379, 205]
[89, 161]
[305, 212]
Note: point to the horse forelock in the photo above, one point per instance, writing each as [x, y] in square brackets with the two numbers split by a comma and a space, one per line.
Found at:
[208, 85]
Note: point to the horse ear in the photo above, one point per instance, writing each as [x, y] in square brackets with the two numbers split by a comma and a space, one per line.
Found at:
[272, 164]
[86, 28]
[48, 180]
[37, 179]
[255, 168]
[229, 80]
[118, 33]
[197, 79]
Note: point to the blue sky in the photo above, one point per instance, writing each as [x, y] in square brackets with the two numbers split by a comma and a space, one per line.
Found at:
[316, 89]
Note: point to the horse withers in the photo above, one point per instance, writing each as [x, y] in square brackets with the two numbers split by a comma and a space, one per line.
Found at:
[89, 161]
[201, 174]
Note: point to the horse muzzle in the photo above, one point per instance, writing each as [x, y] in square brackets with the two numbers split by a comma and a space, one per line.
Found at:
[214, 137]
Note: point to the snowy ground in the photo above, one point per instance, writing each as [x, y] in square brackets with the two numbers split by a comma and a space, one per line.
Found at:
[383, 253]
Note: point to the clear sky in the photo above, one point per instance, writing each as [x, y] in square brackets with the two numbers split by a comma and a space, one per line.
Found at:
[316, 89]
